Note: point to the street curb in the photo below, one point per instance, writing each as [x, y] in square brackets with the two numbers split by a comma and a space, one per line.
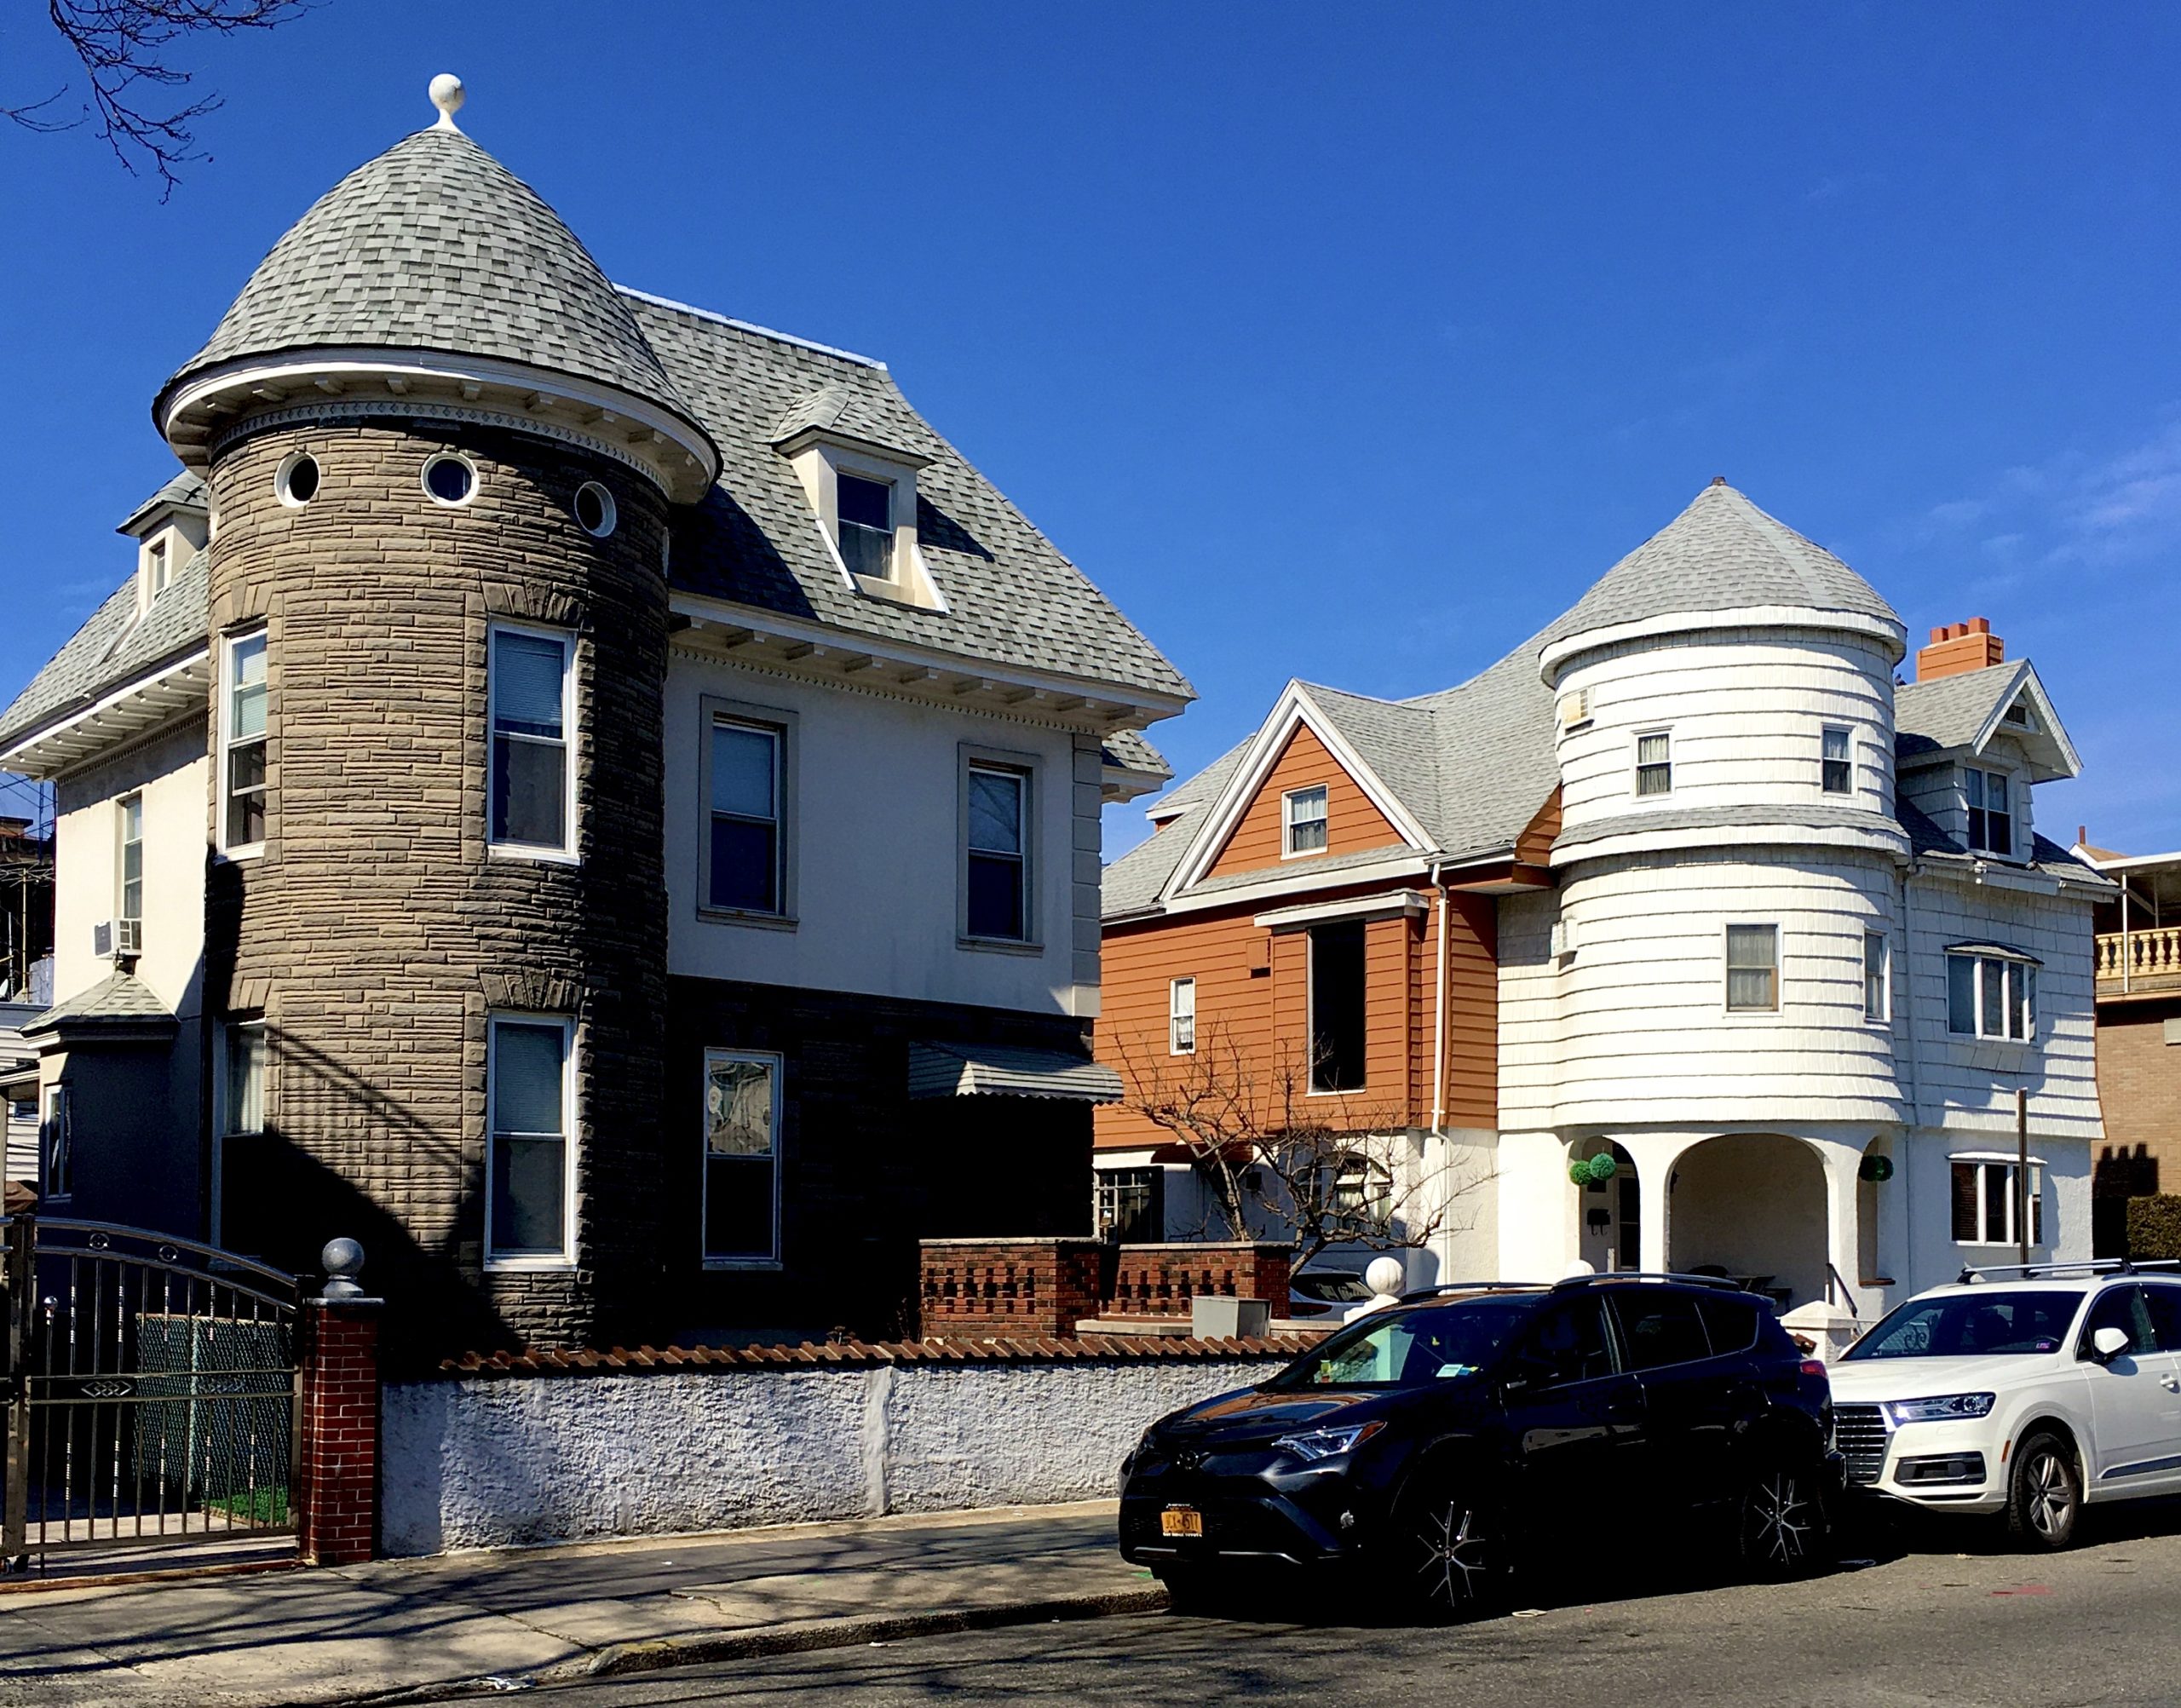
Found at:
[622, 1660]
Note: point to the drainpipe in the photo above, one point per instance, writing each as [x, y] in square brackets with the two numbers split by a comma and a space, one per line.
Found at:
[1438, 1013]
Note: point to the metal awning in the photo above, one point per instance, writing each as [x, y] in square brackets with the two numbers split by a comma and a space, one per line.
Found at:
[992, 1069]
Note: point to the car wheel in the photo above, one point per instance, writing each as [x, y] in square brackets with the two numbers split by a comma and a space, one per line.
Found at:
[2045, 1497]
[1450, 1557]
[1783, 1523]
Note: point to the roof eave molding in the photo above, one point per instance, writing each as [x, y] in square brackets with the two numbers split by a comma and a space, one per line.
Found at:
[1556, 654]
[803, 438]
[1294, 709]
[137, 708]
[201, 413]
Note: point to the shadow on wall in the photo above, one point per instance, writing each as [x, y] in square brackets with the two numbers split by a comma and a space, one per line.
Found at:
[2122, 1172]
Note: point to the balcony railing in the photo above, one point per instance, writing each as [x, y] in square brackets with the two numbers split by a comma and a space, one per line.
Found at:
[2139, 962]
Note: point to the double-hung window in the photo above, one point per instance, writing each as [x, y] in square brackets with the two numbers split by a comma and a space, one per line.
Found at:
[997, 854]
[1752, 969]
[156, 568]
[56, 1148]
[1991, 817]
[1303, 821]
[532, 684]
[1655, 763]
[1991, 996]
[1181, 1017]
[746, 854]
[1877, 983]
[1337, 1011]
[742, 1158]
[1836, 770]
[529, 1195]
[244, 788]
[1984, 1201]
[130, 900]
[240, 1113]
[866, 510]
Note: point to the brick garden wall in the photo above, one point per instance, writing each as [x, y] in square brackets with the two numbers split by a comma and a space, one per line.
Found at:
[1045, 1287]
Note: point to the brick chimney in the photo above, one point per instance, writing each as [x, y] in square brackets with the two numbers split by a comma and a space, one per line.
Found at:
[1959, 647]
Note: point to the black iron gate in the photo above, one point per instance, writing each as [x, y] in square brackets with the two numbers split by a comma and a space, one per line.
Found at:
[152, 1392]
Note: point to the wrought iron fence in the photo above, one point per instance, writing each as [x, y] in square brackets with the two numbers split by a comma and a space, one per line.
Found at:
[153, 1391]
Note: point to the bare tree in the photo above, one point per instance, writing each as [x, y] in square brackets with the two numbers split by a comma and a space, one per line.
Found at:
[1270, 1156]
[137, 99]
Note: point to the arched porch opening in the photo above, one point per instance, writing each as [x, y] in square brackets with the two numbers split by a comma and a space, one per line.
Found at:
[1871, 1188]
[1609, 1206]
[1752, 1206]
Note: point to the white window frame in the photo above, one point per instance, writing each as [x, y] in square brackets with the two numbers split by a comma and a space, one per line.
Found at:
[565, 852]
[1728, 969]
[1023, 768]
[158, 565]
[565, 1257]
[56, 1150]
[782, 725]
[776, 1065]
[1638, 765]
[1290, 820]
[1181, 1016]
[893, 530]
[1847, 758]
[229, 646]
[1972, 810]
[123, 843]
[223, 1121]
[2006, 1162]
[1881, 1013]
[2018, 987]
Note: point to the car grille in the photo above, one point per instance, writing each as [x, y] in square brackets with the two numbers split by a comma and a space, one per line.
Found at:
[1860, 1433]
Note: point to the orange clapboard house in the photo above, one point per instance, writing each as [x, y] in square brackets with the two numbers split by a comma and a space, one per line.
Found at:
[1310, 931]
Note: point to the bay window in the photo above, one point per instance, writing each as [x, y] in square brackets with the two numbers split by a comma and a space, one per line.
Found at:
[1993, 994]
[1983, 1192]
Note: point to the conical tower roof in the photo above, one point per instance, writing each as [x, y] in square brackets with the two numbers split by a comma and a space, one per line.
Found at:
[1722, 553]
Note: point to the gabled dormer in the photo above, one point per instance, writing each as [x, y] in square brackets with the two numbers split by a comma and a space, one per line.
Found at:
[170, 527]
[861, 482]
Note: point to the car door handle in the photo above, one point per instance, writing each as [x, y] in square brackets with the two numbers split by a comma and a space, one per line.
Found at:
[1623, 1408]
[2172, 1383]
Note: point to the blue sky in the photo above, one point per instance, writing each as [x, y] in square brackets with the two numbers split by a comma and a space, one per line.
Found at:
[1348, 343]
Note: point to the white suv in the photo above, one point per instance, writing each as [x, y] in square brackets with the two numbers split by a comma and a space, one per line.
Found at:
[2025, 1396]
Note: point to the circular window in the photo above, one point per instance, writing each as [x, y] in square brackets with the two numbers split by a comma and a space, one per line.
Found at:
[449, 480]
[594, 512]
[296, 483]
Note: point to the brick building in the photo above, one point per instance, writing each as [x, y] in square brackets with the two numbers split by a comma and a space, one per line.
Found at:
[593, 798]
[2138, 1035]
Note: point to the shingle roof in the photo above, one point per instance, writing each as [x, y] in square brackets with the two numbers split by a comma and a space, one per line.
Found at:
[1805, 815]
[1948, 712]
[834, 408]
[754, 540]
[1722, 553]
[435, 245]
[112, 648]
[185, 491]
[1127, 749]
[120, 996]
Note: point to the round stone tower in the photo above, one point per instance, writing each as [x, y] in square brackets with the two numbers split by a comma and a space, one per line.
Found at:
[441, 458]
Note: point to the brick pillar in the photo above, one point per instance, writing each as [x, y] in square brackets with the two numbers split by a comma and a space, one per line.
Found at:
[337, 1522]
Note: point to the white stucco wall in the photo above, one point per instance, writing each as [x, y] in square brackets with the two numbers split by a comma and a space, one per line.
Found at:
[874, 842]
[487, 1462]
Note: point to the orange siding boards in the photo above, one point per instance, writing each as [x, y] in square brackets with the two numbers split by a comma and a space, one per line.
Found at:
[1260, 1025]
[1534, 846]
[1352, 823]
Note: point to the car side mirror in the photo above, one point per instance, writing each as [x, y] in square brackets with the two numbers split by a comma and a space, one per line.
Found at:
[2107, 1344]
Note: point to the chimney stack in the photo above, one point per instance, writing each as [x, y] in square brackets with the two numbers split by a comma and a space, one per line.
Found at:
[1959, 647]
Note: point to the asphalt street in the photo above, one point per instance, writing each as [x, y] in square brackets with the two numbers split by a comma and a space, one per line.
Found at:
[2102, 1624]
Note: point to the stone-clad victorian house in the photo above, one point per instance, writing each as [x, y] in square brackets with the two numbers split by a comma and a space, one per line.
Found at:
[597, 800]
[1683, 936]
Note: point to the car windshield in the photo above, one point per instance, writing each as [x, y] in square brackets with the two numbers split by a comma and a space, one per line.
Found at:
[1972, 1325]
[1411, 1348]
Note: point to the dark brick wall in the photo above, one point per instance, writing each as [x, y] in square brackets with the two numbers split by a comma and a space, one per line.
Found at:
[867, 1173]
[375, 933]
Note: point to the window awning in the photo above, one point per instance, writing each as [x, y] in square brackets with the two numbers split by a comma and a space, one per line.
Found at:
[992, 1069]
[1995, 951]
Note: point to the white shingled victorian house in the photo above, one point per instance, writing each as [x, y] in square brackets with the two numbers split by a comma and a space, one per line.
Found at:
[1683, 936]
[596, 799]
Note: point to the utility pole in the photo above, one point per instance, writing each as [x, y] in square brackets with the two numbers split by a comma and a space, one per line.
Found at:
[2021, 1171]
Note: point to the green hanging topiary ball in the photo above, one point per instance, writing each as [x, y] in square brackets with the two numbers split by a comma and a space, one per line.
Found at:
[1579, 1172]
[1601, 1167]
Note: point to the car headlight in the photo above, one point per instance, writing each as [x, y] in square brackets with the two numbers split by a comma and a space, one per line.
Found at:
[1939, 1409]
[1329, 1444]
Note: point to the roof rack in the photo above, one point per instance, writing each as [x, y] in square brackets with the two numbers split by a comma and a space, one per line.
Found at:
[1440, 1289]
[1718, 1283]
[2086, 1266]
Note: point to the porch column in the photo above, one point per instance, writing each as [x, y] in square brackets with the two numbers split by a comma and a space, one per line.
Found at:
[1654, 1155]
[1839, 1313]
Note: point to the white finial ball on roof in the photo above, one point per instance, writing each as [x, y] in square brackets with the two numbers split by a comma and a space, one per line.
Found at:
[448, 94]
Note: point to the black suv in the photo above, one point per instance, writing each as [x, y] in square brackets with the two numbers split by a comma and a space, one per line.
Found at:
[1431, 1443]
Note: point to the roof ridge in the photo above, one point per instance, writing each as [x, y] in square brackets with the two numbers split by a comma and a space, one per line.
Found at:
[718, 318]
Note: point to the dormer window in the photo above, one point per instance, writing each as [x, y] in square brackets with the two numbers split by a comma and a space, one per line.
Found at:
[866, 518]
[157, 566]
[1302, 813]
[1991, 815]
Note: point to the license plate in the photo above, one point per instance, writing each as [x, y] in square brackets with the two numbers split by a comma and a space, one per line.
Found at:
[1181, 1520]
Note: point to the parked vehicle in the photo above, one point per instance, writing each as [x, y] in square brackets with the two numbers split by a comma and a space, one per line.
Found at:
[1428, 1445]
[2030, 1396]
[1323, 1292]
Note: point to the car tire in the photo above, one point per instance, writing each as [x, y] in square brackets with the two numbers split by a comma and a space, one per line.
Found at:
[1783, 1529]
[2044, 1493]
[1450, 1553]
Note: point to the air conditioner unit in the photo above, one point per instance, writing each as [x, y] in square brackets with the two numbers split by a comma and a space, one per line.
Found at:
[117, 937]
[1574, 708]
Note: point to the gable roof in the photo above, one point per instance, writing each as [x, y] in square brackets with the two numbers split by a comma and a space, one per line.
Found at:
[1723, 554]
[435, 245]
[1012, 597]
[114, 647]
[1965, 710]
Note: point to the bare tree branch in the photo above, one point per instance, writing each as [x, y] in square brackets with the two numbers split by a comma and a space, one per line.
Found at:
[122, 44]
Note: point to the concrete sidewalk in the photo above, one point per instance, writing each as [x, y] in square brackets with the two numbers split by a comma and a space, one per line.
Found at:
[418, 1630]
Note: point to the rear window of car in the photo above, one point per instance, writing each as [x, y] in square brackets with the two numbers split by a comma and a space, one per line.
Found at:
[1980, 1322]
[1731, 1322]
[1660, 1328]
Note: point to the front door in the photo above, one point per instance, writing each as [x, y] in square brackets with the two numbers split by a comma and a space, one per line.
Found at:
[2131, 1405]
[1575, 1418]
